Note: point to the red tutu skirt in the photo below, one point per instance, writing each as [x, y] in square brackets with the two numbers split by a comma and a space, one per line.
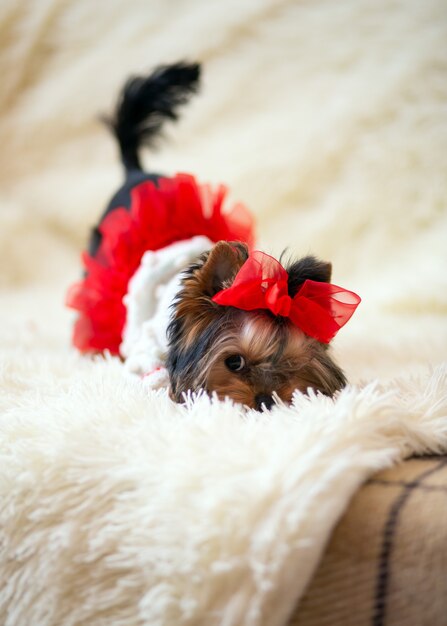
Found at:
[177, 208]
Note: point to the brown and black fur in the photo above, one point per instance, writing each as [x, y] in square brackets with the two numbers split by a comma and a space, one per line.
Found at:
[278, 357]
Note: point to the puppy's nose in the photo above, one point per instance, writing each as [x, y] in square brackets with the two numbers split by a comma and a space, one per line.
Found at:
[264, 399]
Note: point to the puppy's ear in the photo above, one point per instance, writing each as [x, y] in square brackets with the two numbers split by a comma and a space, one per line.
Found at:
[220, 267]
[307, 268]
[214, 271]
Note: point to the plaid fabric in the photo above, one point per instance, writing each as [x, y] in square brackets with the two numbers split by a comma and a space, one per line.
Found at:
[386, 563]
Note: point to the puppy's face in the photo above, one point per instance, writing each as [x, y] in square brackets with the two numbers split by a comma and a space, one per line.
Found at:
[244, 355]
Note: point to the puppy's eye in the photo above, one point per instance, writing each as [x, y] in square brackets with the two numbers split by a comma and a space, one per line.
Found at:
[235, 363]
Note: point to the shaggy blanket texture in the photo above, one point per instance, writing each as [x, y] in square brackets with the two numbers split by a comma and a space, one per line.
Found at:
[329, 121]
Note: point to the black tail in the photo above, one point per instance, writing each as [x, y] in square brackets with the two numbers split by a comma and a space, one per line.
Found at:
[146, 102]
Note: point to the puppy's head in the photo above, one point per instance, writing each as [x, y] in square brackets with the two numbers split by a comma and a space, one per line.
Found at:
[244, 355]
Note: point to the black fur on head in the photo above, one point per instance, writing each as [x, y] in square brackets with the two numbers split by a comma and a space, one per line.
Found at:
[307, 268]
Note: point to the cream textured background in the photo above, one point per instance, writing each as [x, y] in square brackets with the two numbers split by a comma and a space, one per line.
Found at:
[329, 120]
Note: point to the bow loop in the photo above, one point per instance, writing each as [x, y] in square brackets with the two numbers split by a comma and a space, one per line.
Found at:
[319, 309]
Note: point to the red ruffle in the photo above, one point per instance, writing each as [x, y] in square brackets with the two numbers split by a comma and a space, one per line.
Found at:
[179, 208]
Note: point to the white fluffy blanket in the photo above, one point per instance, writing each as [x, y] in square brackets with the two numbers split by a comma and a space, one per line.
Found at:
[327, 119]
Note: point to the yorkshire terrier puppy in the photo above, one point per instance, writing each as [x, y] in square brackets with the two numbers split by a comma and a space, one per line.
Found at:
[172, 286]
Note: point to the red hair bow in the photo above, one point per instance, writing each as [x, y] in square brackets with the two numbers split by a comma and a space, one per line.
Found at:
[319, 309]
